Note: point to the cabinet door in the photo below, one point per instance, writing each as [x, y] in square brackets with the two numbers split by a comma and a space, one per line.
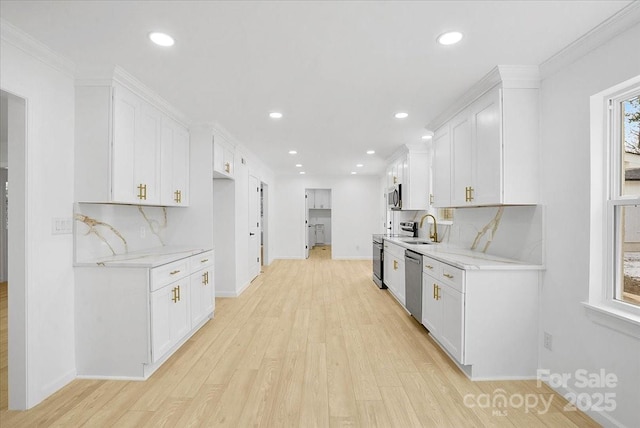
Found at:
[416, 186]
[451, 334]
[441, 167]
[431, 308]
[389, 273]
[401, 283]
[461, 159]
[174, 155]
[487, 144]
[161, 308]
[136, 142]
[201, 284]
[170, 317]
[322, 199]
[126, 116]
[223, 160]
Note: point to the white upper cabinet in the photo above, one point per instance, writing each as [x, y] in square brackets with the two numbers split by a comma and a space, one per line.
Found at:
[223, 159]
[411, 169]
[493, 143]
[441, 168]
[174, 155]
[127, 149]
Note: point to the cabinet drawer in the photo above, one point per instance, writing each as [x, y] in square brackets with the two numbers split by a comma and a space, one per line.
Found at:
[165, 274]
[395, 250]
[201, 261]
[443, 272]
[453, 277]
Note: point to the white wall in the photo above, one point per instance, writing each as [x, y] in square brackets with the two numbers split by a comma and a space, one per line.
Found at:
[578, 343]
[47, 281]
[355, 210]
[231, 222]
[193, 225]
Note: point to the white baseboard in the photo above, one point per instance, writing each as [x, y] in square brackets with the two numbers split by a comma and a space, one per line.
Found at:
[53, 387]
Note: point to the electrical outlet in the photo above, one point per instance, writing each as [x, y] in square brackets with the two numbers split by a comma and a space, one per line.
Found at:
[548, 339]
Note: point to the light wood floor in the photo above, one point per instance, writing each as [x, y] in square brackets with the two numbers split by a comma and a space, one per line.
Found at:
[311, 343]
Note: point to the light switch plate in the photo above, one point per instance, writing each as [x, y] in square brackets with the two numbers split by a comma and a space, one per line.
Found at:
[61, 226]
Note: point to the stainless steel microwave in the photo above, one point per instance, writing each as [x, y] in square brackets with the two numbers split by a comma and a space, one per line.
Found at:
[394, 197]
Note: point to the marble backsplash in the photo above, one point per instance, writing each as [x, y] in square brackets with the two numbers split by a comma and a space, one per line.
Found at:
[104, 230]
[510, 231]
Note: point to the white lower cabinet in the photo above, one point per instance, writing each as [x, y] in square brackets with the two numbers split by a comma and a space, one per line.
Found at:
[486, 320]
[393, 270]
[170, 317]
[129, 320]
[201, 285]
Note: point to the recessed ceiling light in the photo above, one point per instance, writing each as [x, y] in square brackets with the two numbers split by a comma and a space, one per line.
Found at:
[161, 39]
[426, 137]
[449, 38]
[302, 172]
[292, 152]
[401, 115]
[298, 165]
[275, 115]
[353, 173]
[371, 152]
[359, 165]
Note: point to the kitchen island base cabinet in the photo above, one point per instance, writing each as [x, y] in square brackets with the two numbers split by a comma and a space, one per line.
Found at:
[486, 320]
[129, 320]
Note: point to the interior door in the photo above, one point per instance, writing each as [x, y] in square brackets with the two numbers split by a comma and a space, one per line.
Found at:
[254, 226]
[307, 227]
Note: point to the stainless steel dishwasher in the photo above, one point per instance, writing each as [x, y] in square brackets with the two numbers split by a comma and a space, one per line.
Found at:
[413, 283]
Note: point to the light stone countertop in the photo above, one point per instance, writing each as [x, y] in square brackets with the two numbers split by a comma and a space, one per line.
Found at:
[145, 259]
[465, 258]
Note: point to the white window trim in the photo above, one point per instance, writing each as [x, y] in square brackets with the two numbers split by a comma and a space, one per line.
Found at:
[601, 307]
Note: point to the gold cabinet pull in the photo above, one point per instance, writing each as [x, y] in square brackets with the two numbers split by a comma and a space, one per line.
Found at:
[205, 278]
[142, 192]
[395, 265]
[435, 294]
[174, 272]
[448, 275]
[428, 266]
[430, 198]
[227, 167]
[468, 194]
[178, 293]
[175, 295]
[204, 260]
[177, 196]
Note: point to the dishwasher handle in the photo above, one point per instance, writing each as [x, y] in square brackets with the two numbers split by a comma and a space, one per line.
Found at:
[408, 257]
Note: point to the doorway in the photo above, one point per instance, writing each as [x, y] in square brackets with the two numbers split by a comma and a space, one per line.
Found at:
[264, 224]
[318, 220]
[254, 227]
[13, 166]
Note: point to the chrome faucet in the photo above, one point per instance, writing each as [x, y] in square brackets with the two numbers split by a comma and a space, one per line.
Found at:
[433, 236]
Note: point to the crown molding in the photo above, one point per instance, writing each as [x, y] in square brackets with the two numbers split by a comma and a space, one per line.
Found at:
[107, 75]
[508, 76]
[624, 19]
[23, 41]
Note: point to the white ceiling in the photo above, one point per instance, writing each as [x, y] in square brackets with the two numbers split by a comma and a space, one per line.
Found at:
[337, 70]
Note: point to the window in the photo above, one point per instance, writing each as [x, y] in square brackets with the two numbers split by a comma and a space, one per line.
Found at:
[614, 270]
[624, 198]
